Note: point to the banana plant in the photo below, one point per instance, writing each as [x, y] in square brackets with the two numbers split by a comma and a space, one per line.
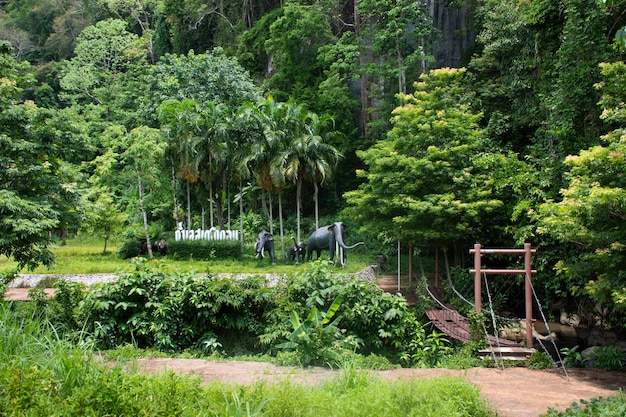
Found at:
[317, 339]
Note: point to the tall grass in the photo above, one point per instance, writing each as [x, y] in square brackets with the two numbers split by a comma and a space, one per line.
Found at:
[41, 374]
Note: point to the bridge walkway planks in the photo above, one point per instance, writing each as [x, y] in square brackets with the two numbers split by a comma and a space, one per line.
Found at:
[452, 323]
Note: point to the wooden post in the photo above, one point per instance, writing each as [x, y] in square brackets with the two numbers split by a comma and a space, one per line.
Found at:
[529, 298]
[477, 286]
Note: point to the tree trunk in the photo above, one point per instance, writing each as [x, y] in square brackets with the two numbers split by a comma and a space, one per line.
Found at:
[264, 205]
[437, 284]
[241, 215]
[188, 207]
[298, 204]
[401, 72]
[211, 223]
[280, 221]
[316, 200]
[174, 193]
[271, 212]
[227, 186]
[144, 213]
[219, 208]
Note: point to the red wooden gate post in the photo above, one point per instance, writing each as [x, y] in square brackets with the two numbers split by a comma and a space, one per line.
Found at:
[528, 293]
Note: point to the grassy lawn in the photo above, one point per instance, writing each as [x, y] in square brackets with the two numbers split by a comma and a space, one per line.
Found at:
[84, 256]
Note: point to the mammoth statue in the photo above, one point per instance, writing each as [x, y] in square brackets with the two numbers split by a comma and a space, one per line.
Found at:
[330, 237]
[265, 242]
[297, 251]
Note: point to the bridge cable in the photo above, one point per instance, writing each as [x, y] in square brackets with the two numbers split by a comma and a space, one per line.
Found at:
[495, 326]
[545, 322]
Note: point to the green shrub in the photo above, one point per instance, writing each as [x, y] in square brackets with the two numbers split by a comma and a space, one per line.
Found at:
[380, 322]
[204, 249]
[614, 406]
[572, 358]
[465, 357]
[64, 305]
[129, 249]
[539, 360]
[148, 307]
[427, 350]
[607, 357]
[317, 340]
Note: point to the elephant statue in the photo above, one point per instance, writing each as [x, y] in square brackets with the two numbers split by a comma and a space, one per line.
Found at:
[296, 251]
[161, 247]
[265, 242]
[330, 237]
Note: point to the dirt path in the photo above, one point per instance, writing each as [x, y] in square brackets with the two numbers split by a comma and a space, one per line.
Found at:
[514, 392]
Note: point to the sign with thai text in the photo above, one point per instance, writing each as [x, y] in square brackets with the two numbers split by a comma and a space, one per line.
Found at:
[211, 234]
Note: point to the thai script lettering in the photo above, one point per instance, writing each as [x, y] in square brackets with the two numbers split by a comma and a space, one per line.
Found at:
[211, 234]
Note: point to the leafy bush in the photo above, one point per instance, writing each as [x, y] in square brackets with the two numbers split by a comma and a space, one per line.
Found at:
[427, 350]
[464, 357]
[572, 358]
[539, 360]
[204, 249]
[149, 308]
[614, 406]
[129, 249]
[64, 305]
[317, 340]
[607, 357]
[381, 322]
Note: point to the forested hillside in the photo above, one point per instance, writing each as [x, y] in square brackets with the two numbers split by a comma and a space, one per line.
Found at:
[436, 123]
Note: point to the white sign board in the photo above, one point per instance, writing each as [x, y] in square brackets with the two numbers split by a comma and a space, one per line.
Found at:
[211, 234]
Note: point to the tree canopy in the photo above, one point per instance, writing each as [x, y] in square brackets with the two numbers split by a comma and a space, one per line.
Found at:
[38, 187]
[309, 107]
[423, 184]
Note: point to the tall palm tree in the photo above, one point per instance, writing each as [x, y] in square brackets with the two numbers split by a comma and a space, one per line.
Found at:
[308, 156]
[269, 114]
[213, 154]
[275, 132]
[180, 121]
[245, 133]
[321, 165]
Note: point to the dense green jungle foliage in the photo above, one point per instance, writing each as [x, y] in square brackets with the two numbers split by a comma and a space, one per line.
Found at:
[41, 373]
[128, 119]
[315, 317]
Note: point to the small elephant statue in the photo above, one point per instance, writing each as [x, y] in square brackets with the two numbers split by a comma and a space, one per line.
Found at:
[161, 247]
[330, 237]
[265, 242]
[296, 251]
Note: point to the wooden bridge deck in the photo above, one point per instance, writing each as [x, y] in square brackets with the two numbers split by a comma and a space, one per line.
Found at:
[456, 326]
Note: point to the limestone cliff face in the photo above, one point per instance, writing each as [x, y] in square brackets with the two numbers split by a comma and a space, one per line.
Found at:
[456, 32]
